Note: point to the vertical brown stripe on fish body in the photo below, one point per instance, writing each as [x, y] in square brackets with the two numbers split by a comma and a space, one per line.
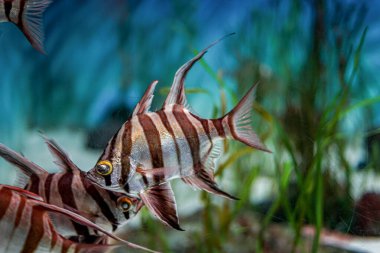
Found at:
[190, 133]
[7, 9]
[154, 142]
[19, 212]
[66, 246]
[126, 152]
[145, 180]
[93, 191]
[126, 187]
[66, 192]
[34, 185]
[54, 236]
[109, 149]
[20, 13]
[231, 127]
[105, 156]
[36, 230]
[219, 127]
[5, 200]
[169, 128]
[107, 180]
[205, 125]
[47, 187]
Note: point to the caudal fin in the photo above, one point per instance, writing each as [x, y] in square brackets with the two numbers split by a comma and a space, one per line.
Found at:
[31, 23]
[238, 121]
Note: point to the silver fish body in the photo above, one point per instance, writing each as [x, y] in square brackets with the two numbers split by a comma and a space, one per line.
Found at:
[151, 148]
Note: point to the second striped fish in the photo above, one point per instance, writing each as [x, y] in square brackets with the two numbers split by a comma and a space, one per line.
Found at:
[71, 189]
[26, 226]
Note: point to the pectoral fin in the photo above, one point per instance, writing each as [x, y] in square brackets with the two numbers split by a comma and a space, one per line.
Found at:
[164, 173]
[204, 180]
[161, 203]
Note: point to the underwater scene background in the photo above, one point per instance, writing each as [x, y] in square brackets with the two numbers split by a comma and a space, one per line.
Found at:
[317, 109]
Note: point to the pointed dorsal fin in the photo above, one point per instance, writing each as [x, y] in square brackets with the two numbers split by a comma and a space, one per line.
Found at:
[62, 158]
[146, 101]
[27, 167]
[177, 91]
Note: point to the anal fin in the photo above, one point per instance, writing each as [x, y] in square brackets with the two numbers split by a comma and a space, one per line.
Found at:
[161, 203]
[204, 180]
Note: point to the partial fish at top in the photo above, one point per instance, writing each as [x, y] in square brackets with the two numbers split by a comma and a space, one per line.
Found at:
[70, 189]
[152, 148]
[27, 16]
[26, 226]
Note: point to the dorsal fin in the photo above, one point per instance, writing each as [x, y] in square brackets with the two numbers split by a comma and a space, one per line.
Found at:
[62, 158]
[27, 167]
[177, 92]
[146, 101]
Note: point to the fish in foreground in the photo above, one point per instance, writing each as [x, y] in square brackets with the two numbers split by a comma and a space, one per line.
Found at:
[152, 148]
[70, 189]
[27, 16]
[26, 226]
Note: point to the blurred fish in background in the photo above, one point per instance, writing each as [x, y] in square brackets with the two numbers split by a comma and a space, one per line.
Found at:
[317, 63]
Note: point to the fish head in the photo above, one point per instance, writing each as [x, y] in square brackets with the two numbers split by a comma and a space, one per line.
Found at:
[128, 207]
[106, 174]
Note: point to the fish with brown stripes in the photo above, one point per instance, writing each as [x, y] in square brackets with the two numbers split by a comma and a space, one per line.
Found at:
[27, 16]
[70, 189]
[26, 226]
[152, 148]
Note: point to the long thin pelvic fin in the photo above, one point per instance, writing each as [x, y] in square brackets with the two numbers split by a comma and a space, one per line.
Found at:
[161, 203]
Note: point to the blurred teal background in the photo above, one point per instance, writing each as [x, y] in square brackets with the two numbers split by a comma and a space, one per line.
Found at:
[317, 109]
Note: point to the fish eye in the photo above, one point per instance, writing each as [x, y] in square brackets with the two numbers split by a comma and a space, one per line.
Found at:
[104, 168]
[124, 203]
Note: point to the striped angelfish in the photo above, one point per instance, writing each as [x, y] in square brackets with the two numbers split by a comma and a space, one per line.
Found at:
[70, 189]
[26, 226]
[153, 147]
[27, 16]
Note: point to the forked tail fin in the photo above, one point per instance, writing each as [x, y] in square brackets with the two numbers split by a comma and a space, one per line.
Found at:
[238, 122]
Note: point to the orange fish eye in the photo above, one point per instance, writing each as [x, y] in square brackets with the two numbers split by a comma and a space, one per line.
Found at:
[104, 168]
[124, 203]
